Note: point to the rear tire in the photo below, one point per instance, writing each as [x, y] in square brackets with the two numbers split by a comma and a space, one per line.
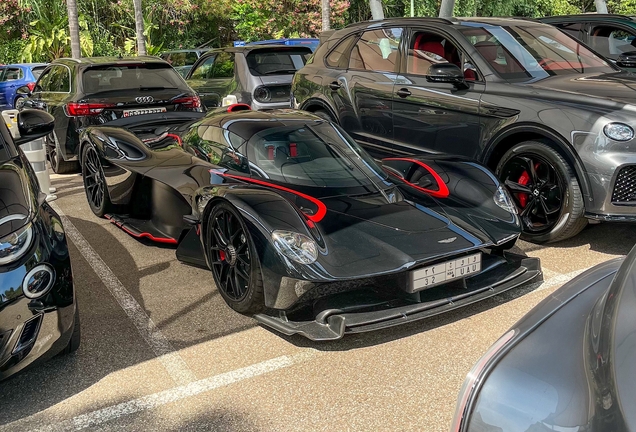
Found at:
[545, 190]
[233, 260]
[95, 182]
[18, 103]
[58, 164]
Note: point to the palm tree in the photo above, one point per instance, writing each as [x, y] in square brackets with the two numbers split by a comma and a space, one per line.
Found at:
[139, 28]
[326, 12]
[73, 27]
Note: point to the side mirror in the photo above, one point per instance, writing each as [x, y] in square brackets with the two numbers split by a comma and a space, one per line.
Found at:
[33, 124]
[627, 60]
[445, 73]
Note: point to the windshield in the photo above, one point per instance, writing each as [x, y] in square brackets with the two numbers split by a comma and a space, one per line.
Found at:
[319, 155]
[530, 52]
[277, 62]
[99, 79]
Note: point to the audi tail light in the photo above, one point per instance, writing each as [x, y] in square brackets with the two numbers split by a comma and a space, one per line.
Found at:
[30, 86]
[188, 102]
[74, 109]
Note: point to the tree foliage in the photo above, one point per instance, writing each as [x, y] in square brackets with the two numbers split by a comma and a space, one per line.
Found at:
[37, 30]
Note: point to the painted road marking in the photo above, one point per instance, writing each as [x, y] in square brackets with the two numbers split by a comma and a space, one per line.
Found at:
[161, 346]
[145, 403]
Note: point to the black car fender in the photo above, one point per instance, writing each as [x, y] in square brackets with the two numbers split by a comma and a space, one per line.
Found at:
[315, 101]
[519, 132]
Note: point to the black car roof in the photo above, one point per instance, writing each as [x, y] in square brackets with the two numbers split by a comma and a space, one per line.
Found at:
[408, 21]
[588, 17]
[90, 61]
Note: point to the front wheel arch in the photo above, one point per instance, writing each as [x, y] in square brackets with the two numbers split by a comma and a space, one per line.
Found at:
[504, 142]
[313, 105]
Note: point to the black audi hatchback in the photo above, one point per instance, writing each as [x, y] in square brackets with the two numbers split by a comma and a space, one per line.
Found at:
[38, 313]
[552, 118]
[94, 91]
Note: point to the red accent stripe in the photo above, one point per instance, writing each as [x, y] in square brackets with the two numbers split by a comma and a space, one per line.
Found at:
[176, 137]
[443, 191]
[322, 208]
[141, 235]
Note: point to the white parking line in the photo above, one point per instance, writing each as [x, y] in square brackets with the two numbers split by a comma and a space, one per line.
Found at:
[175, 394]
[167, 355]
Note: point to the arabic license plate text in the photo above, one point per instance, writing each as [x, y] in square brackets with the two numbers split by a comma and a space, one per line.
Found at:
[445, 272]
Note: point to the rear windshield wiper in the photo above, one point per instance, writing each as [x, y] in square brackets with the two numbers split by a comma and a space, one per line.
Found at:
[276, 71]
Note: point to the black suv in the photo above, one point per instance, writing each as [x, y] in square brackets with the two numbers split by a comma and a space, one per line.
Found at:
[614, 36]
[94, 91]
[552, 118]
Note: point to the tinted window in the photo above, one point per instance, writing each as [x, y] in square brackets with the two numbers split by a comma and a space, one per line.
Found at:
[43, 82]
[426, 49]
[612, 41]
[223, 65]
[573, 29]
[180, 59]
[126, 77]
[272, 62]
[59, 80]
[376, 50]
[204, 69]
[11, 74]
[524, 52]
[217, 146]
[37, 71]
[312, 155]
[339, 57]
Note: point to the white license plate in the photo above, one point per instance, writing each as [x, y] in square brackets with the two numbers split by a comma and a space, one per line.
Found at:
[444, 272]
[142, 111]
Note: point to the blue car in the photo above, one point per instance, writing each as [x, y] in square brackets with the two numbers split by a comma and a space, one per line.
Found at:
[14, 77]
[308, 42]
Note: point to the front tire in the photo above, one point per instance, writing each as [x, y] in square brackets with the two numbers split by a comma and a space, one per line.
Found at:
[545, 190]
[95, 182]
[233, 260]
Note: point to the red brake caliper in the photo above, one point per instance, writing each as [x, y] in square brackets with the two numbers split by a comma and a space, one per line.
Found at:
[222, 255]
[523, 180]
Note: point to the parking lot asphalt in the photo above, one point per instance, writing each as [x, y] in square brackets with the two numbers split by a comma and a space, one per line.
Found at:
[161, 351]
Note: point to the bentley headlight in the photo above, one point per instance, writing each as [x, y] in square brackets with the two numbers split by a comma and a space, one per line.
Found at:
[16, 244]
[295, 246]
[618, 131]
[504, 200]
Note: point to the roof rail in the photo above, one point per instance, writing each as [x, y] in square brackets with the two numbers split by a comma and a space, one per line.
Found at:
[593, 14]
[431, 19]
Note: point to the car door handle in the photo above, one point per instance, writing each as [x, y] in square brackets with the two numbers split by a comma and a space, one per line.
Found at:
[335, 86]
[403, 93]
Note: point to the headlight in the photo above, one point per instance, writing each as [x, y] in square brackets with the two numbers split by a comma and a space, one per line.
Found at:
[472, 379]
[504, 200]
[295, 246]
[16, 244]
[618, 131]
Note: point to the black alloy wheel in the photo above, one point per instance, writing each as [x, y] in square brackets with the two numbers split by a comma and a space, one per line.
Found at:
[537, 189]
[233, 261]
[545, 192]
[95, 182]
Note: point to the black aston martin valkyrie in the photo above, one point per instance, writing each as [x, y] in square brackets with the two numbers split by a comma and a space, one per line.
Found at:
[300, 226]
[38, 314]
